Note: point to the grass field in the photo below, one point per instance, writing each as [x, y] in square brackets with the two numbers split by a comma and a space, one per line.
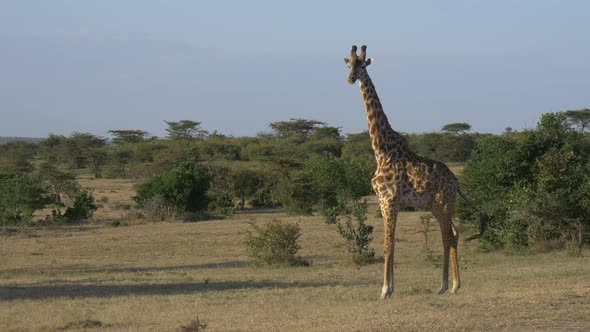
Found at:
[161, 276]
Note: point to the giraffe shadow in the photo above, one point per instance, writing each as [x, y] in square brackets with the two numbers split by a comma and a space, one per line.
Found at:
[77, 269]
[78, 290]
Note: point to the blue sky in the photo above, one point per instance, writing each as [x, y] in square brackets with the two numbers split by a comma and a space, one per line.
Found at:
[236, 66]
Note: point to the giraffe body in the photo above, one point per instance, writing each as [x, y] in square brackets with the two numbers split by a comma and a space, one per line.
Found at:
[404, 179]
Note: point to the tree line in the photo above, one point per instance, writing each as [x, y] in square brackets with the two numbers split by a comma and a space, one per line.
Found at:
[305, 166]
[296, 164]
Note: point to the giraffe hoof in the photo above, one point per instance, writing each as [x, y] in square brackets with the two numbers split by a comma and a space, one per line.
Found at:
[442, 291]
[454, 290]
[386, 293]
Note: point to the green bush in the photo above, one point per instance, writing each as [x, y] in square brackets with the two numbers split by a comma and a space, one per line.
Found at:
[444, 146]
[20, 196]
[223, 203]
[358, 235]
[83, 207]
[534, 186]
[325, 182]
[296, 193]
[331, 215]
[183, 187]
[275, 243]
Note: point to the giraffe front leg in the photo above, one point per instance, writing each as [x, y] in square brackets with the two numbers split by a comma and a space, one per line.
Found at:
[389, 222]
[443, 212]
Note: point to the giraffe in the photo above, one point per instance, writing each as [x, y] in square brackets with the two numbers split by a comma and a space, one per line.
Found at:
[403, 178]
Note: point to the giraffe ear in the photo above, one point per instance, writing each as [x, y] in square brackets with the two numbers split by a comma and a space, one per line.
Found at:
[369, 61]
[346, 60]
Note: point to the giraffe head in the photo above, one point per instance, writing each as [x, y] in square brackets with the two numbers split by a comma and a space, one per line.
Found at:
[357, 64]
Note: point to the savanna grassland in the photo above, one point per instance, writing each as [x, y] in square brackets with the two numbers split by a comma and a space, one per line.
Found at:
[162, 276]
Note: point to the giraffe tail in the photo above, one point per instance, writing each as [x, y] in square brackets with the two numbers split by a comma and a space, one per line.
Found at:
[483, 217]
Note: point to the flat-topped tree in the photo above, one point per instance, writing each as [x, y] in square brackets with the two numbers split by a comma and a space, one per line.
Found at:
[185, 129]
[302, 128]
[123, 136]
[456, 128]
[581, 118]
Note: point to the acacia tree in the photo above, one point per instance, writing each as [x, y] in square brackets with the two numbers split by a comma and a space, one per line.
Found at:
[52, 148]
[128, 136]
[456, 128]
[81, 149]
[57, 180]
[580, 118]
[185, 129]
[245, 183]
[88, 150]
[17, 156]
[299, 127]
[97, 158]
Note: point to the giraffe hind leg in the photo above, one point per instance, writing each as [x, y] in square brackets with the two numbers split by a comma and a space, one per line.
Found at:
[450, 237]
[455, 260]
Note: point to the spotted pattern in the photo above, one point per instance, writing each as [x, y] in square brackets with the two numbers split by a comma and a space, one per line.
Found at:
[404, 179]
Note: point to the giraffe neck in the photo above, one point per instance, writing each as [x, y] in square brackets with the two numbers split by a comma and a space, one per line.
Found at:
[386, 142]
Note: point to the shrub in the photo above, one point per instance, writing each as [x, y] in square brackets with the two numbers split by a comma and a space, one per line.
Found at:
[426, 221]
[331, 215]
[20, 196]
[324, 182]
[488, 179]
[194, 326]
[276, 243]
[296, 193]
[158, 209]
[358, 237]
[223, 203]
[534, 186]
[183, 187]
[83, 207]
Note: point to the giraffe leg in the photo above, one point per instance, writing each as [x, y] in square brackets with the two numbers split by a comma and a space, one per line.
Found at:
[442, 209]
[450, 239]
[455, 260]
[389, 221]
[445, 279]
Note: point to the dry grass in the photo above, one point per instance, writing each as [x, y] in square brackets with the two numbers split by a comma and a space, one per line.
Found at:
[163, 277]
[113, 195]
[456, 168]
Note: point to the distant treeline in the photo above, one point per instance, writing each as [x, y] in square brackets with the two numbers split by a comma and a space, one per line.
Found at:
[301, 164]
[134, 153]
[534, 185]
[4, 140]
